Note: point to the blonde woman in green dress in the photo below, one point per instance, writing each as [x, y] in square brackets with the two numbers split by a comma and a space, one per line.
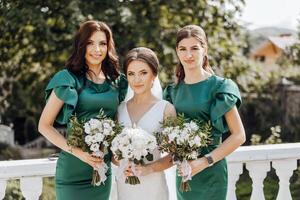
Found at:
[90, 82]
[199, 93]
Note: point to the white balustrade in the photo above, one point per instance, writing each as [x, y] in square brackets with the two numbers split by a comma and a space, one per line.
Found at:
[2, 188]
[234, 171]
[31, 187]
[284, 170]
[258, 172]
[258, 160]
[30, 173]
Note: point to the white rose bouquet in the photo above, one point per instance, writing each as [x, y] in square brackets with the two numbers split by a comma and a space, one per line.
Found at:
[133, 145]
[183, 138]
[94, 136]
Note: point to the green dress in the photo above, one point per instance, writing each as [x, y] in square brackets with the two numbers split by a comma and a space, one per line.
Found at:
[206, 100]
[73, 177]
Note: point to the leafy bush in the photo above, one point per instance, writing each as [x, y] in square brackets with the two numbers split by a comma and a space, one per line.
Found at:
[8, 152]
[13, 191]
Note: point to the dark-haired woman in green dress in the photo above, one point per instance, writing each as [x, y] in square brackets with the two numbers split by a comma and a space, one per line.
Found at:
[90, 82]
[198, 93]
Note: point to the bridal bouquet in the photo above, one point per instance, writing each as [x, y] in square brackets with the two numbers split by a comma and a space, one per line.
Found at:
[183, 138]
[94, 136]
[133, 145]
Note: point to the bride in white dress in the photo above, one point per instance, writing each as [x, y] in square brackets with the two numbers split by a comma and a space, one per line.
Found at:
[146, 111]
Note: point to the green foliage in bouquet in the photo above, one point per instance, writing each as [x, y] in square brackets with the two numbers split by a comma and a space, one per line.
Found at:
[179, 152]
[183, 138]
[94, 136]
[76, 134]
[117, 128]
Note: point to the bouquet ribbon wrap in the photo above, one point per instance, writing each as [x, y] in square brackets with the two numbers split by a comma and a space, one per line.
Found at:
[123, 165]
[186, 175]
[186, 170]
[132, 180]
[101, 170]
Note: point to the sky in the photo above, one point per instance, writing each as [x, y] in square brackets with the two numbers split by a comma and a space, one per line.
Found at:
[278, 13]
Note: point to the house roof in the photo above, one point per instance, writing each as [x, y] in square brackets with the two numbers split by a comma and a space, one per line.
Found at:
[282, 41]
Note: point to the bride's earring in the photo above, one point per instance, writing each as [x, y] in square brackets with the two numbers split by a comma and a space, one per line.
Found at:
[152, 83]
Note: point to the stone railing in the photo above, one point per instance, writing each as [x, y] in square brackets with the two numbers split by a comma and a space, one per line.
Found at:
[257, 159]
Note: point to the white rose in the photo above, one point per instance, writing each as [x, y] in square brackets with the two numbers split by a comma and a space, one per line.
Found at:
[95, 124]
[94, 147]
[88, 139]
[167, 131]
[153, 145]
[111, 123]
[87, 128]
[106, 132]
[191, 143]
[184, 134]
[128, 154]
[105, 143]
[113, 148]
[137, 155]
[194, 155]
[172, 136]
[106, 125]
[137, 145]
[99, 137]
[193, 126]
[197, 140]
[94, 139]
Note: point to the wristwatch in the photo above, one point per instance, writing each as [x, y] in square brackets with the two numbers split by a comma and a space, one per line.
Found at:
[209, 159]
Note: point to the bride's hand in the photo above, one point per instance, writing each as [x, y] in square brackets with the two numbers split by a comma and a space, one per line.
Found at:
[143, 170]
[128, 171]
[140, 170]
[94, 162]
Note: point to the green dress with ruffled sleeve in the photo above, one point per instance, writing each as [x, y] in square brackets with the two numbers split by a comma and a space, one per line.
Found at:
[207, 100]
[73, 177]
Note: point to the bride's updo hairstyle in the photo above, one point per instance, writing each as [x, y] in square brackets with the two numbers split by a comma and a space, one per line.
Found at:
[142, 54]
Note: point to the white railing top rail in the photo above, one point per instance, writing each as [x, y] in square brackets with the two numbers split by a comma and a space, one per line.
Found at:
[27, 168]
[265, 152]
[44, 167]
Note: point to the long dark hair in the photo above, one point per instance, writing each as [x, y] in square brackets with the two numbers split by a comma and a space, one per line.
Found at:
[76, 62]
[198, 33]
[142, 54]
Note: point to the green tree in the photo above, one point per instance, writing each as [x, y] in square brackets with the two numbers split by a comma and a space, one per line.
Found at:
[37, 39]
[35, 42]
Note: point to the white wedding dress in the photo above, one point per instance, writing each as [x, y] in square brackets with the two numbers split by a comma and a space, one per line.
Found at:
[155, 185]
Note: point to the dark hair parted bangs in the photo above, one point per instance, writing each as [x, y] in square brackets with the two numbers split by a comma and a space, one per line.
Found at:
[76, 62]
